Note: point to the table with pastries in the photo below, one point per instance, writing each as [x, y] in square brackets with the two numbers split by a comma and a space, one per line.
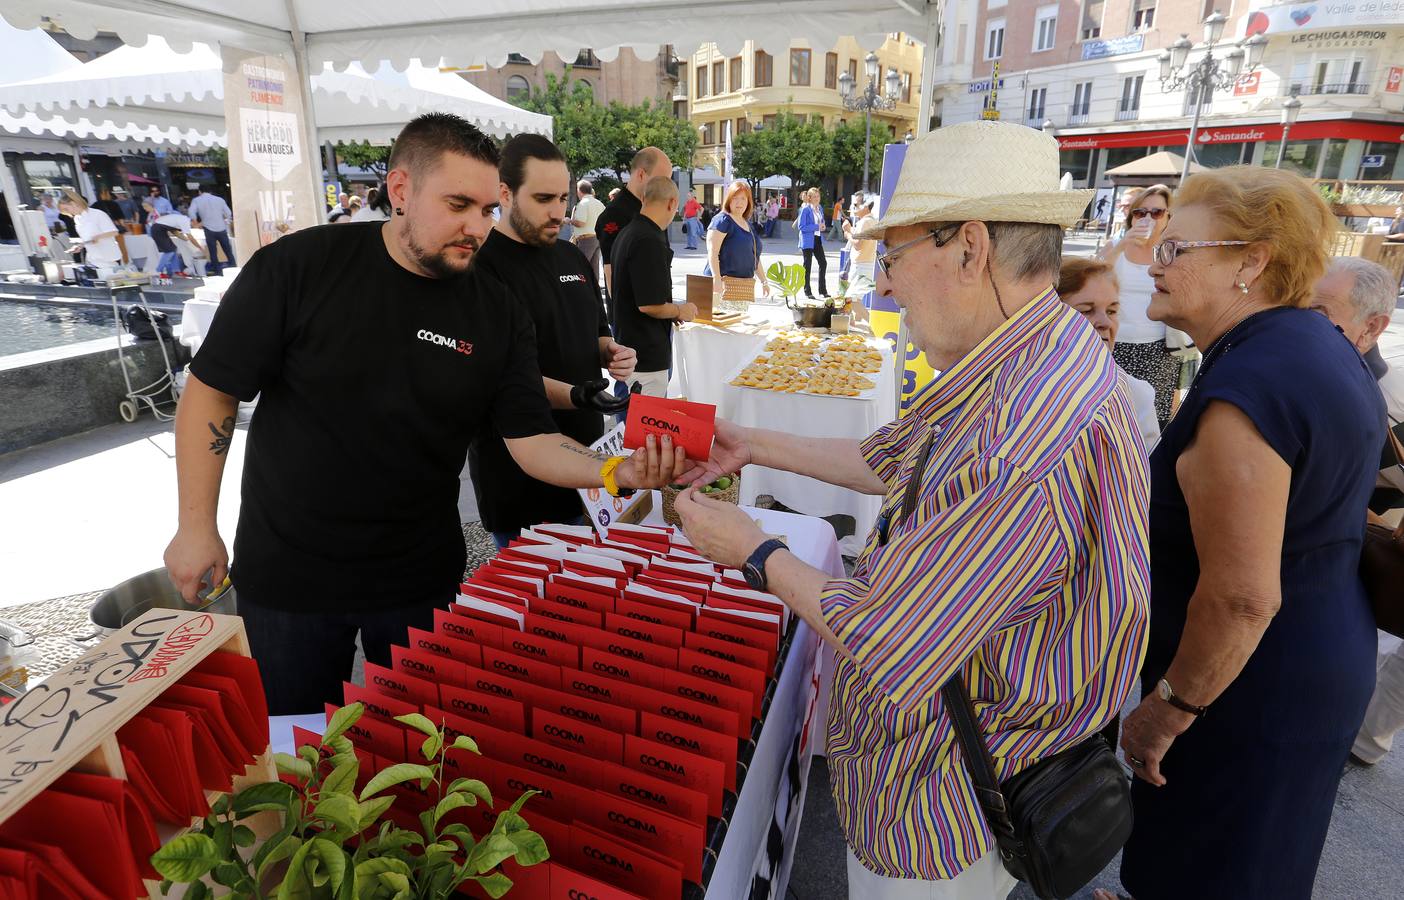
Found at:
[706, 362]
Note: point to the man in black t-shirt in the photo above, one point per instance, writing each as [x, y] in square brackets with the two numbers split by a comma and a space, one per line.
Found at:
[648, 163]
[554, 281]
[377, 354]
[643, 281]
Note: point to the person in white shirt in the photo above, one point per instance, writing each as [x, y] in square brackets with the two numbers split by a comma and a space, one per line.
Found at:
[51, 212]
[1359, 297]
[215, 216]
[96, 231]
[587, 211]
[1090, 287]
[1142, 350]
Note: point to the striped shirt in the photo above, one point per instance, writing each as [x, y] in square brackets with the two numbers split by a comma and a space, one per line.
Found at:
[1024, 567]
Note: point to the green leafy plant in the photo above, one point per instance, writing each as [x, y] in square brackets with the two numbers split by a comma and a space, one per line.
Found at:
[328, 845]
[787, 279]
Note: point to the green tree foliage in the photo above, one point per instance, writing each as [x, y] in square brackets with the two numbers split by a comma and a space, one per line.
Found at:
[365, 156]
[802, 151]
[593, 136]
[848, 150]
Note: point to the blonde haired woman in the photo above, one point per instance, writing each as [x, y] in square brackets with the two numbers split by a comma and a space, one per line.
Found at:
[810, 225]
[96, 231]
[1142, 350]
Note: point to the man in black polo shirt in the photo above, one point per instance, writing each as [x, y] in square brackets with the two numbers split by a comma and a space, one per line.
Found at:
[643, 281]
[647, 164]
[378, 353]
[555, 282]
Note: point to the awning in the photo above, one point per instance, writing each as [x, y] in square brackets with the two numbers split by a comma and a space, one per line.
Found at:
[483, 31]
[1340, 129]
[1158, 165]
[155, 93]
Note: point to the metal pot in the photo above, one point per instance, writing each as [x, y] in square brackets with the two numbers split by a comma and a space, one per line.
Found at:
[153, 590]
[810, 316]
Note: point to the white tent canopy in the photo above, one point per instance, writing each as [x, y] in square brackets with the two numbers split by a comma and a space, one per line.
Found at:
[482, 31]
[178, 98]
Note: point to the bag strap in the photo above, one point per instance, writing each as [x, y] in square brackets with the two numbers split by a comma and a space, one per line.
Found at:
[975, 751]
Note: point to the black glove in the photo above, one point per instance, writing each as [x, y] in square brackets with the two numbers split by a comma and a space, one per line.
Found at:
[595, 395]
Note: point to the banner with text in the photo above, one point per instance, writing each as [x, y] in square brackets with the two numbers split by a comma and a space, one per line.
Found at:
[270, 173]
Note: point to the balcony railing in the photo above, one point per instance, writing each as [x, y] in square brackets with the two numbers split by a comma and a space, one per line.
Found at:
[1079, 119]
[1128, 115]
[1339, 87]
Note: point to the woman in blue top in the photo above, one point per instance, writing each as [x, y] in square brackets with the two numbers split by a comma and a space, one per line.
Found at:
[733, 251]
[1261, 657]
[810, 225]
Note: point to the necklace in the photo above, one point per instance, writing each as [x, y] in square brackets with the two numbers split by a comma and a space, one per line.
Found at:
[1213, 353]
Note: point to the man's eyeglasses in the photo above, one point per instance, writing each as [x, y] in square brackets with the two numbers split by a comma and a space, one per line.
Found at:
[1166, 251]
[886, 260]
[1141, 212]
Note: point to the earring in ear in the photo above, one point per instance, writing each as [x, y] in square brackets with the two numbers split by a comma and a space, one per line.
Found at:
[1243, 286]
[399, 210]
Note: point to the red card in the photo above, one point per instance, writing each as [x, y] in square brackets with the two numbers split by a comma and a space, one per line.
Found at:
[579, 598]
[745, 678]
[166, 747]
[463, 651]
[703, 775]
[452, 623]
[621, 781]
[133, 816]
[728, 651]
[163, 808]
[244, 670]
[692, 590]
[704, 691]
[428, 666]
[401, 686]
[574, 534]
[691, 712]
[558, 799]
[493, 574]
[542, 649]
[677, 839]
[514, 665]
[738, 635]
[477, 706]
[210, 764]
[670, 600]
[501, 613]
[568, 884]
[490, 591]
[592, 709]
[547, 556]
[532, 568]
[745, 616]
[377, 705]
[567, 612]
[621, 863]
[500, 685]
[253, 735]
[624, 626]
[57, 874]
[710, 744]
[690, 425]
[628, 648]
[608, 585]
[228, 717]
[570, 734]
[384, 738]
[703, 572]
[548, 759]
[547, 628]
[86, 830]
[591, 566]
[677, 617]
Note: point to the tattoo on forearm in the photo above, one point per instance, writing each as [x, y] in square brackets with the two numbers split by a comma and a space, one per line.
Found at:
[223, 436]
[585, 451]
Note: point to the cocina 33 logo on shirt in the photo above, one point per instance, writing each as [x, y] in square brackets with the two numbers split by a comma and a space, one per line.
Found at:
[463, 347]
[567, 279]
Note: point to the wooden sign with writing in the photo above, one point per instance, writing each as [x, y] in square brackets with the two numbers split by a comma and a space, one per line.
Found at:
[70, 720]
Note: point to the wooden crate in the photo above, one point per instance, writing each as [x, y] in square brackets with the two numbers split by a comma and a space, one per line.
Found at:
[70, 720]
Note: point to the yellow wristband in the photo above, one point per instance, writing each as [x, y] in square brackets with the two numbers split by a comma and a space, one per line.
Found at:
[607, 474]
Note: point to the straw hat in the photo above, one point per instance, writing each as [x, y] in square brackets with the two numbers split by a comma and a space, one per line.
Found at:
[980, 171]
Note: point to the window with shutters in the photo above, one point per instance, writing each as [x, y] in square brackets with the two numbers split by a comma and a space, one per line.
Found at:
[736, 74]
[765, 69]
[799, 67]
[831, 70]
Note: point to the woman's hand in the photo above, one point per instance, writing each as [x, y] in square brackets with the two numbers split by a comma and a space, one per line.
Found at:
[718, 286]
[1146, 736]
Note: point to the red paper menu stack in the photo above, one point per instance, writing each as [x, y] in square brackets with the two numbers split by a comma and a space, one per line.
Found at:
[624, 678]
[92, 836]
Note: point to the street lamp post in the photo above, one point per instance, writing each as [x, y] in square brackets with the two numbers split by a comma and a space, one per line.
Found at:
[1290, 108]
[870, 99]
[1209, 72]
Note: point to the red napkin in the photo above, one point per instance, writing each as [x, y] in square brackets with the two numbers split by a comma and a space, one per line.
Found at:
[165, 743]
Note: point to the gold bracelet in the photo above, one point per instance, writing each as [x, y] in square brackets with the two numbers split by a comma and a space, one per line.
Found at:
[607, 474]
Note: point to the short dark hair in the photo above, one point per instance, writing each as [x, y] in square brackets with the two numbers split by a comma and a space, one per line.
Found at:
[515, 153]
[426, 138]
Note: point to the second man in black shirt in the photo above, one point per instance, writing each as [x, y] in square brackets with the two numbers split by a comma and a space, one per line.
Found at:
[553, 282]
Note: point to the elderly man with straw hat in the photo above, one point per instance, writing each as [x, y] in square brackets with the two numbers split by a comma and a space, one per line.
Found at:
[1011, 549]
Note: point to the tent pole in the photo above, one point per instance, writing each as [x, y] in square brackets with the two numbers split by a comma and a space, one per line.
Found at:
[929, 54]
[304, 83]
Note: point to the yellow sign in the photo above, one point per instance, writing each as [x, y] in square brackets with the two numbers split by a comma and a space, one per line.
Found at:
[333, 193]
[990, 114]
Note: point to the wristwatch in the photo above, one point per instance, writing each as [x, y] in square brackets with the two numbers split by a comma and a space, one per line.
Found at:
[1167, 694]
[754, 569]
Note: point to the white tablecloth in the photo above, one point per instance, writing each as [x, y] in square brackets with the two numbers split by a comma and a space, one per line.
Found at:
[706, 359]
[195, 319]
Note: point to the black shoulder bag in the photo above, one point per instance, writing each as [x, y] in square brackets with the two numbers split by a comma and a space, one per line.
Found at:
[1059, 822]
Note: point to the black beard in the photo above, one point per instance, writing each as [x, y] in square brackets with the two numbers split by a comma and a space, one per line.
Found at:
[532, 235]
[437, 264]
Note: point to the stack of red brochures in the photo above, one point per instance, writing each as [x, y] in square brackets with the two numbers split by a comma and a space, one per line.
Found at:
[91, 836]
[624, 677]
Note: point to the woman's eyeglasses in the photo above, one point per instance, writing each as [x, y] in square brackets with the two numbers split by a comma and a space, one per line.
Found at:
[1166, 251]
[1141, 212]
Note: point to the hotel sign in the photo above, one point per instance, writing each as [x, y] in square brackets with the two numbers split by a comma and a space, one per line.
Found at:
[1131, 43]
